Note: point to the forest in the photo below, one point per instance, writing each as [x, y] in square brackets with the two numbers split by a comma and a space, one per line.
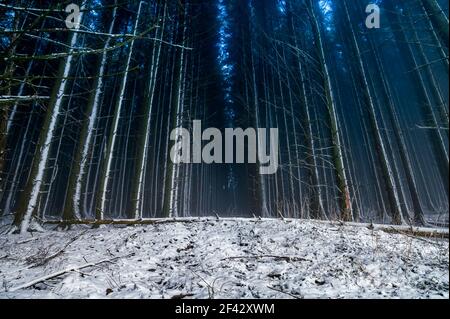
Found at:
[90, 91]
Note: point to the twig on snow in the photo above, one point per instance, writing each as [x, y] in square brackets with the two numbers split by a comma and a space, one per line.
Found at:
[284, 292]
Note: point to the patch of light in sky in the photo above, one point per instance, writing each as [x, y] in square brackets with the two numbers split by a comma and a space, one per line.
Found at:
[224, 35]
[282, 6]
[225, 64]
[325, 6]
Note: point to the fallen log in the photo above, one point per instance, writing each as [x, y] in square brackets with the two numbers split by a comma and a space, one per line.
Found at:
[285, 258]
[125, 222]
[439, 233]
[62, 272]
[417, 232]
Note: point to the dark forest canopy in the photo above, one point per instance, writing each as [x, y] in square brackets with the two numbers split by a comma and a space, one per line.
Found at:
[86, 113]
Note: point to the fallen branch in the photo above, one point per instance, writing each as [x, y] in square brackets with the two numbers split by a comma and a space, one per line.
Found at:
[123, 222]
[417, 232]
[46, 260]
[62, 272]
[10, 98]
[286, 258]
[432, 128]
[284, 292]
[440, 233]
[28, 240]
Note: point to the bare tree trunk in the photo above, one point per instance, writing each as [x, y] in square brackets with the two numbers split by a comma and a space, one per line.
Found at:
[6, 85]
[171, 119]
[406, 161]
[3, 143]
[172, 200]
[338, 157]
[438, 19]
[72, 205]
[318, 207]
[381, 148]
[29, 197]
[111, 145]
[144, 144]
[434, 86]
[18, 166]
[262, 181]
[436, 136]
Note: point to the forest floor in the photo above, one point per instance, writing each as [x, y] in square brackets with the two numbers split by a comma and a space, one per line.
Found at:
[223, 259]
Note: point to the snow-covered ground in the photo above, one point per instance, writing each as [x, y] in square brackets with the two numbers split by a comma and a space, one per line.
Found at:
[224, 259]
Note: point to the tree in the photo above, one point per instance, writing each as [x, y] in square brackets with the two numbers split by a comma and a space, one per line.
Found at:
[338, 156]
[438, 18]
[380, 145]
[106, 172]
[172, 199]
[30, 195]
[144, 142]
[72, 204]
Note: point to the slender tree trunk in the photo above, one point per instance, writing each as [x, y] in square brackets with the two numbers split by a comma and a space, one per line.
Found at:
[144, 144]
[438, 19]
[435, 135]
[380, 145]
[3, 143]
[30, 196]
[72, 206]
[262, 181]
[338, 157]
[19, 162]
[6, 85]
[318, 210]
[398, 132]
[172, 200]
[442, 106]
[171, 119]
[106, 172]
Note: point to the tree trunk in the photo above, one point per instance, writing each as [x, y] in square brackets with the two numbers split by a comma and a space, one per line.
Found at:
[30, 196]
[338, 157]
[172, 200]
[381, 148]
[418, 212]
[435, 135]
[144, 143]
[106, 172]
[438, 19]
[72, 205]
[318, 210]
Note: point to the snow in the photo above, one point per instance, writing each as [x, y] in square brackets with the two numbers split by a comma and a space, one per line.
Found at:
[233, 258]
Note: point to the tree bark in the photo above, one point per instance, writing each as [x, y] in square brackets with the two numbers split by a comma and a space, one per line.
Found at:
[438, 19]
[144, 142]
[338, 156]
[106, 171]
[72, 204]
[391, 187]
[29, 198]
